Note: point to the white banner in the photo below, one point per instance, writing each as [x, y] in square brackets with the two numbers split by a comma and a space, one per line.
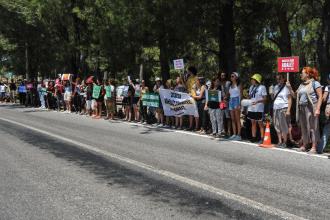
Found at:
[177, 103]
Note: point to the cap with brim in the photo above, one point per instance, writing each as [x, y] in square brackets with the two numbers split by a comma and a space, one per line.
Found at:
[157, 79]
[236, 74]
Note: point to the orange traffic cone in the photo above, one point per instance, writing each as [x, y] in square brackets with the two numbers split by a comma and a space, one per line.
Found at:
[267, 143]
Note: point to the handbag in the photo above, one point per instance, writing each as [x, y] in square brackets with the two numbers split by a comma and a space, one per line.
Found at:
[223, 105]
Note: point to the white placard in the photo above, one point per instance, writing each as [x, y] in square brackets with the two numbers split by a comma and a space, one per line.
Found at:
[178, 64]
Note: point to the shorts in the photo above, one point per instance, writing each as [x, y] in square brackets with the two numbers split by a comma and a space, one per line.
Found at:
[2, 95]
[234, 103]
[94, 104]
[135, 100]
[89, 104]
[67, 96]
[110, 106]
[281, 120]
[257, 116]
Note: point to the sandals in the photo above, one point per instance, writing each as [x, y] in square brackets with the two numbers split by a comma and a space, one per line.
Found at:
[302, 149]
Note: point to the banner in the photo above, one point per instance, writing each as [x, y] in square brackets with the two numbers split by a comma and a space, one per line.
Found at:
[150, 99]
[177, 103]
[213, 95]
[96, 91]
[287, 64]
[108, 91]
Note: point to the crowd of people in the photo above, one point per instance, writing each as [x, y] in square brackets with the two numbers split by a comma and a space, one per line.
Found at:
[239, 114]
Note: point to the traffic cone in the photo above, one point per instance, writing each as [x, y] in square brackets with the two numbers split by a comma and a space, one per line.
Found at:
[267, 143]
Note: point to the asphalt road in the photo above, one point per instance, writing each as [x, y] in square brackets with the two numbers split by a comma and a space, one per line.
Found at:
[66, 166]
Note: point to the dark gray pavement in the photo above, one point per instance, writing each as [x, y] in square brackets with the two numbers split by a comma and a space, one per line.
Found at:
[44, 177]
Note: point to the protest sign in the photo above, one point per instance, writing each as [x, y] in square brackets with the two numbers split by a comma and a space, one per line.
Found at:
[213, 95]
[150, 99]
[178, 64]
[96, 91]
[108, 91]
[288, 64]
[66, 76]
[177, 103]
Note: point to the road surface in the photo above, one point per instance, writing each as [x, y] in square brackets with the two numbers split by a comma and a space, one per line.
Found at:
[66, 166]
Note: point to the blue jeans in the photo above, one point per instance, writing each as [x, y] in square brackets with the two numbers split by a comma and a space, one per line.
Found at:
[42, 100]
[324, 138]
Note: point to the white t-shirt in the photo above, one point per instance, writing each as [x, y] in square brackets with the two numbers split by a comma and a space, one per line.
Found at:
[257, 93]
[112, 92]
[281, 100]
[2, 88]
[234, 92]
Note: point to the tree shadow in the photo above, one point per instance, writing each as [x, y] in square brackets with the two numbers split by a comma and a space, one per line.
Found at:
[114, 174]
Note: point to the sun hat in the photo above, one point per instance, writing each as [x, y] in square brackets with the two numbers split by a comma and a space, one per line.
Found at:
[257, 77]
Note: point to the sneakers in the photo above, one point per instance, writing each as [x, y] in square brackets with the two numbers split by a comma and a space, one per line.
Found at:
[232, 137]
[281, 145]
[237, 138]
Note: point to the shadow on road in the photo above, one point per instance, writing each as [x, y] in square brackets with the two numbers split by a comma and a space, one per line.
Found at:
[118, 175]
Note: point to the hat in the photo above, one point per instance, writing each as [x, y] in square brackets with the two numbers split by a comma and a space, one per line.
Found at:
[236, 74]
[157, 79]
[257, 77]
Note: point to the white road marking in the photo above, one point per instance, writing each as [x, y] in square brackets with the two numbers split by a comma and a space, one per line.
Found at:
[217, 191]
[238, 142]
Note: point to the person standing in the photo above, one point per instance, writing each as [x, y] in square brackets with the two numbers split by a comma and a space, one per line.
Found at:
[179, 88]
[98, 97]
[326, 129]
[225, 83]
[3, 88]
[258, 96]
[159, 111]
[59, 91]
[143, 109]
[213, 106]
[200, 101]
[190, 85]
[109, 98]
[13, 88]
[235, 94]
[22, 93]
[282, 102]
[308, 104]
[68, 96]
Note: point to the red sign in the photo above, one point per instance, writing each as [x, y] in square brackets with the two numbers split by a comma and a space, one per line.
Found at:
[288, 64]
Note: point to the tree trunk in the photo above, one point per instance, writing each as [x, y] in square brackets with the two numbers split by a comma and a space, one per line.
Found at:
[227, 60]
[163, 57]
[323, 43]
[285, 38]
[27, 74]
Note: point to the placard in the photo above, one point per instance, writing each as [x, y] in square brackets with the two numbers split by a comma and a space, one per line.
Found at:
[288, 64]
[178, 64]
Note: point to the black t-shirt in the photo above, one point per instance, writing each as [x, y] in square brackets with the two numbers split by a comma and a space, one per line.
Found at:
[89, 93]
[212, 104]
[12, 86]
